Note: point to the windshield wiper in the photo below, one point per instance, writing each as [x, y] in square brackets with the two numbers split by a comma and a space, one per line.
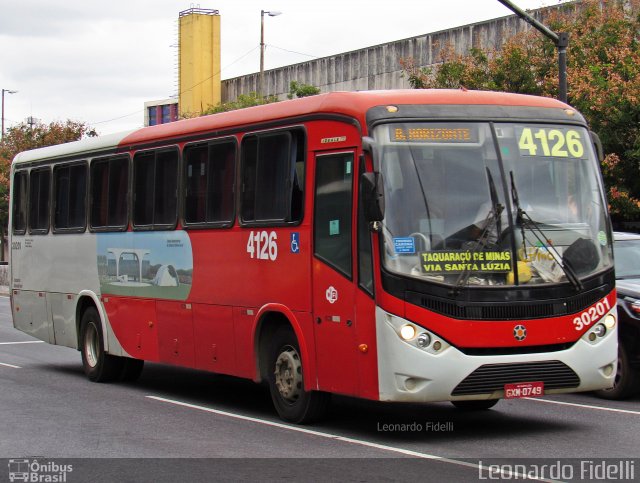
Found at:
[493, 219]
[526, 221]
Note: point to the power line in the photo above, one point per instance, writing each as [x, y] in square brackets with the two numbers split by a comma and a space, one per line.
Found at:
[294, 52]
[220, 71]
[195, 85]
[115, 118]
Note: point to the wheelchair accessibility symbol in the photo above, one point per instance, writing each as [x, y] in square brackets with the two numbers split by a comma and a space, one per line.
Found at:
[295, 242]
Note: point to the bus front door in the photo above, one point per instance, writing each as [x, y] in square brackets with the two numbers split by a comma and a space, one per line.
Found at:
[333, 281]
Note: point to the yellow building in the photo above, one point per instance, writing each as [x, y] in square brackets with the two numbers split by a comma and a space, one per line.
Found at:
[199, 60]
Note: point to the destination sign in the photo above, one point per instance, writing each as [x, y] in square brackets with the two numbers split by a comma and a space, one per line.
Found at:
[443, 262]
[433, 134]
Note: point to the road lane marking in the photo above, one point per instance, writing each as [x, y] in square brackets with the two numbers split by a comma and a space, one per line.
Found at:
[10, 365]
[23, 342]
[586, 406]
[335, 437]
[311, 431]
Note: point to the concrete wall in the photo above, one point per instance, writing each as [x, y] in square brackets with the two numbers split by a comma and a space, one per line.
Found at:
[378, 67]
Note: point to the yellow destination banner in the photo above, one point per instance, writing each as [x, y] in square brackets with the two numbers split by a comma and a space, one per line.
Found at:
[442, 262]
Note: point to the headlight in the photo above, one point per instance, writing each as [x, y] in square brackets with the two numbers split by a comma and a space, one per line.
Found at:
[424, 340]
[610, 321]
[599, 330]
[416, 336]
[407, 332]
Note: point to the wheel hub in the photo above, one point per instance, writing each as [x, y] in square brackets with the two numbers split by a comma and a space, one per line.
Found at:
[91, 345]
[288, 374]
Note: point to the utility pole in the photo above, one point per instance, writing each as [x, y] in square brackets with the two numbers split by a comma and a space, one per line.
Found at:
[561, 40]
[31, 121]
[272, 13]
[8, 91]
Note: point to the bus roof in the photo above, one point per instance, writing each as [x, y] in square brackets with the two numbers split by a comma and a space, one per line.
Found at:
[351, 104]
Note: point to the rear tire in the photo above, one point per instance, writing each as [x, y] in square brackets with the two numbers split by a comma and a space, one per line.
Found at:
[286, 381]
[626, 380]
[477, 405]
[98, 365]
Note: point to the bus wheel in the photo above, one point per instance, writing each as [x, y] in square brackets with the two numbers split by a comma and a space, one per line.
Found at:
[286, 382]
[131, 369]
[475, 405]
[626, 380]
[98, 365]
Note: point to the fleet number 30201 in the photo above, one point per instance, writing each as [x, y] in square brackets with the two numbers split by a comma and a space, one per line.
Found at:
[592, 314]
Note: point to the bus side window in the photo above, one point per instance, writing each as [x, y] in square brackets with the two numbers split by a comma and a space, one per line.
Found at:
[39, 186]
[70, 194]
[298, 166]
[155, 189]
[332, 218]
[272, 177]
[19, 196]
[196, 166]
[109, 189]
[222, 160]
[209, 179]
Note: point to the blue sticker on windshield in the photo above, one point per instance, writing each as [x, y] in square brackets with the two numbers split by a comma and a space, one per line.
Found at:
[404, 244]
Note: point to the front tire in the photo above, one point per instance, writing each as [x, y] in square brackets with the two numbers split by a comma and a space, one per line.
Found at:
[98, 365]
[626, 380]
[286, 381]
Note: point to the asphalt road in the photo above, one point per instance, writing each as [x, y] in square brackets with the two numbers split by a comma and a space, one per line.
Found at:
[176, 424]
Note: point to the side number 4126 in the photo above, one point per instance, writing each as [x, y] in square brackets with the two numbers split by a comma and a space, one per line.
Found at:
[262, 245]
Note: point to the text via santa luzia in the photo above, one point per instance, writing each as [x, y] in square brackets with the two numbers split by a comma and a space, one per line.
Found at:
[458, 261]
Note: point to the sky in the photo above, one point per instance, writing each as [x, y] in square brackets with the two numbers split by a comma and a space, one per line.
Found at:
[98, 62]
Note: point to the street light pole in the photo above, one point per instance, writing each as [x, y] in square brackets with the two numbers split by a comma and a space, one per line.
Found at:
[272, 13]
[8, 91]
[560, 39]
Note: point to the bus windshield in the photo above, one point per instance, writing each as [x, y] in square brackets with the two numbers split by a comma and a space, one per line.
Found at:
[479, 204]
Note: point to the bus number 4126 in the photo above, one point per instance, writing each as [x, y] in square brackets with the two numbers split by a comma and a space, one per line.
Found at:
[262, 245]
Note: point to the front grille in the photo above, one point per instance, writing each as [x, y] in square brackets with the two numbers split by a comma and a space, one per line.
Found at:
[502, 351]
[493, 377]
[507, 310]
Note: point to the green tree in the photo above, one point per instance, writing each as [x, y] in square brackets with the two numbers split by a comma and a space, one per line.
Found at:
[298, 89]
[603, 75]
[24, 137]
[253, 99]
[243, 100]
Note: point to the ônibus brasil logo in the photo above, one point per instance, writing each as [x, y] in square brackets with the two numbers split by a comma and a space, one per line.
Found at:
[332, 295]
[33, 471]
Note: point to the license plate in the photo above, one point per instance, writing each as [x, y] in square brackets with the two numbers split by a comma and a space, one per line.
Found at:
[523, 389]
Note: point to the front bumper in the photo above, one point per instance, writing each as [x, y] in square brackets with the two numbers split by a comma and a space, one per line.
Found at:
[410, 374]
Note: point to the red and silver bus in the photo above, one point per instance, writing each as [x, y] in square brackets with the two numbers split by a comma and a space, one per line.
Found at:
[422, 245]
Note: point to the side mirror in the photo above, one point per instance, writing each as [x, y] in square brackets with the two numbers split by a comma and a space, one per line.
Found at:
[598, 145]
[372, 196]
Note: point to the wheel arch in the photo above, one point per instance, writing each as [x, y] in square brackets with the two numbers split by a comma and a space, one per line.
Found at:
[86, 299]
[269, 319]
